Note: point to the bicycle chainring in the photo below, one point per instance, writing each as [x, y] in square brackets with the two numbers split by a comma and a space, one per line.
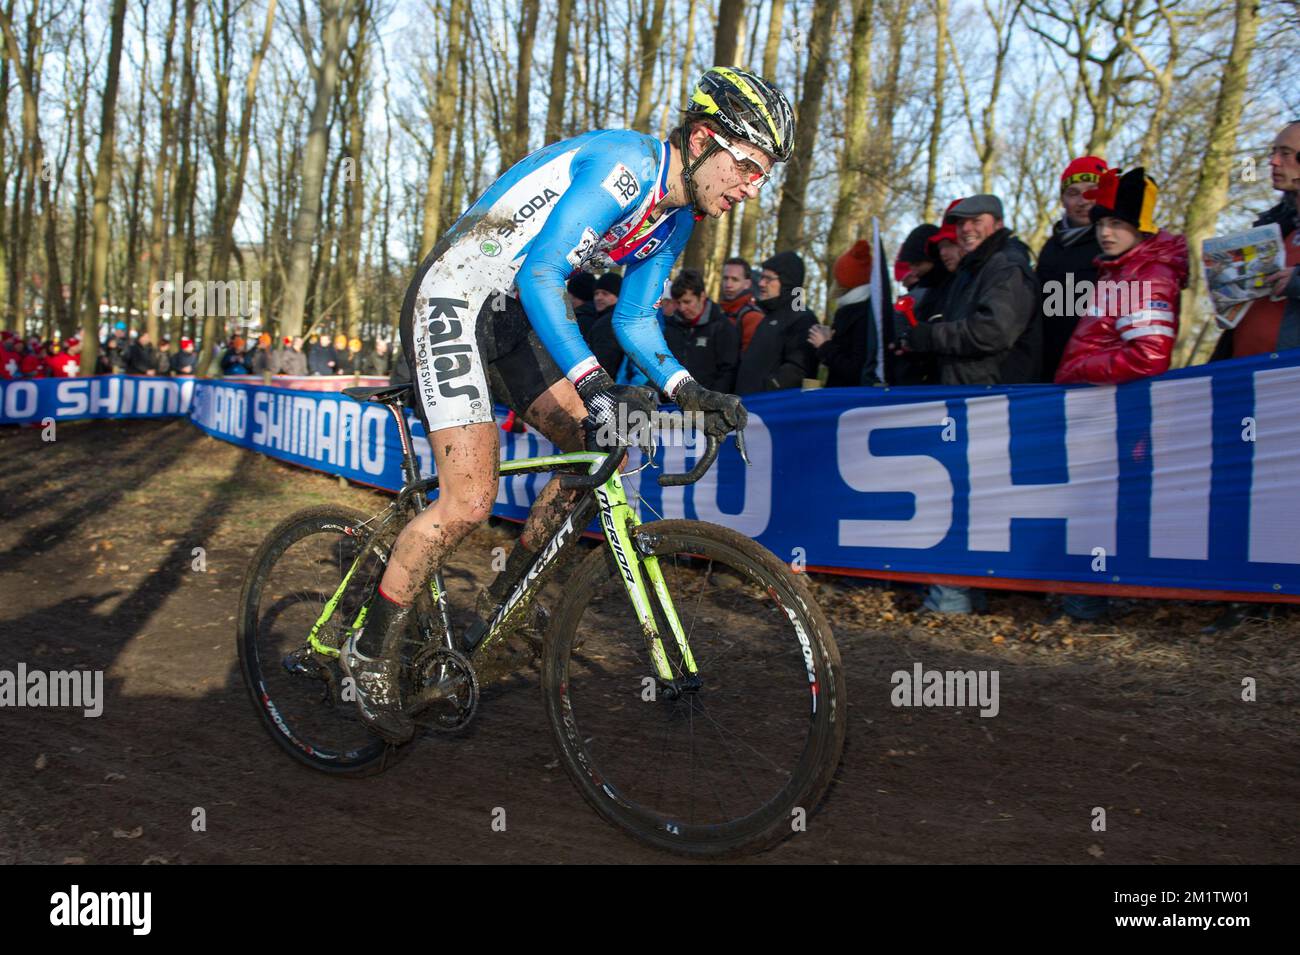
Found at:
[444, 690]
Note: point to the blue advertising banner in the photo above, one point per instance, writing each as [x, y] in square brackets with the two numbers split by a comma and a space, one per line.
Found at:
[1189, 481]
[34, 400]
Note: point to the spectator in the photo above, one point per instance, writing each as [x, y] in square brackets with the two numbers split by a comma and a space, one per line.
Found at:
[164, 366]
[400, 374]
[320, 357]
[848, 348]
[1066, 260]
[604, 344]
[233, 361]
[700, 336]
[33, 364]
[1133, 325]
[185, 360]
[290, 360]
[582, 289]
[989, 331]
[64, 361]
[925, 285]
[779, 355]
[738, 302]
[258, 359]
[1267, 325]
[378, 361]
[350, 361]
[11, 358]
[142, 357]
[111, 361]
[123, 339]
[340, 354]
[1134, 322]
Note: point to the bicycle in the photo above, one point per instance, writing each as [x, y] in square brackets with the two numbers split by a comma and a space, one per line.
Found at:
[699, 726]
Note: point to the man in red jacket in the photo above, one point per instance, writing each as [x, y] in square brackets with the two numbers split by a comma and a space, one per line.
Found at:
[65, 363]
[1130, 331]
[11, 358]
[33, 364]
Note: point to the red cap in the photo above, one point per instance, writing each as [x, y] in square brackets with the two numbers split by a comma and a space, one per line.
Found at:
[1083, 169]
[187, 343]
[946, 233]
[286, 340]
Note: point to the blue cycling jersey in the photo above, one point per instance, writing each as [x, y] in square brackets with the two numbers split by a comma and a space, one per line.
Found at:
[586, 202]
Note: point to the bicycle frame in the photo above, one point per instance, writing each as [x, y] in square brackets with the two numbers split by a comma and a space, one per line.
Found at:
[619, 521]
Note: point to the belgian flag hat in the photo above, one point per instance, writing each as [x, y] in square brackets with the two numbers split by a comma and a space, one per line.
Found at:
[1130, 196]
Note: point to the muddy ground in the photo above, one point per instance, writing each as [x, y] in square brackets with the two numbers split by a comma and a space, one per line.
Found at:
[1142, 716]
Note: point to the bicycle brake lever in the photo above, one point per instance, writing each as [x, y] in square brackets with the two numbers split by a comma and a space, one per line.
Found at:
[740, 446]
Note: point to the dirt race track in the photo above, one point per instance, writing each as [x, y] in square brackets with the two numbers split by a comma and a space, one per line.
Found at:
[1143, 717]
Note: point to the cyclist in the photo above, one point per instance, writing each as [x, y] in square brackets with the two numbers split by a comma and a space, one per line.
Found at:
[487, 314]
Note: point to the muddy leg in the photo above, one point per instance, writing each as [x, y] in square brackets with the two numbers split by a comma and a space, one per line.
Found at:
[466, 458]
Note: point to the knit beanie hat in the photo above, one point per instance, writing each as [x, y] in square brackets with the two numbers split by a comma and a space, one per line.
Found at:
[1130, 196]
[610, 282]
[582, 286]
[853, 268]
[789, 269]
[1083, 169]
[913, 248]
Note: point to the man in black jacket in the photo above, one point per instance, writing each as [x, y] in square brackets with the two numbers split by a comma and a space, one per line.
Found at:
[601, 338]
[990, 331]
[582, 289]
[1065, 263]
[779, 355]
[700, 335]
[142, 357]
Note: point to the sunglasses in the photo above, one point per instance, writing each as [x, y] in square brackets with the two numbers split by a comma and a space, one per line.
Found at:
[751, 170]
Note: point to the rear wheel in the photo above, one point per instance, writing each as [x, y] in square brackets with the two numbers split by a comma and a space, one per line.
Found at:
[298, 692]
[727, 760]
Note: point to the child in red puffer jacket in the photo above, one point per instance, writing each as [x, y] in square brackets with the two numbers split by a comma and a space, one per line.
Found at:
[1132, 325]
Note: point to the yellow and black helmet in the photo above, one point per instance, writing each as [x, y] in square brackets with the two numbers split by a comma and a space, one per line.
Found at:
[748, 107]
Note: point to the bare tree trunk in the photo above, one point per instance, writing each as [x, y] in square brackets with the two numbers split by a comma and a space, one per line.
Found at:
[336, 24]
[846, 224]
[700, 248]
[1216, 164]
[928, 210]
[523, 80]
[29, 74]
[103, 182]
[560, 72]
[131, 272]
[230, 176]
[791, 213]
[5, 319]
[754, 208]
[442, 117]
[158, 244]
[649, 29]
[185, 178]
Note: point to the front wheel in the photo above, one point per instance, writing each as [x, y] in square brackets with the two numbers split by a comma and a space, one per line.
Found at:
[727, 759]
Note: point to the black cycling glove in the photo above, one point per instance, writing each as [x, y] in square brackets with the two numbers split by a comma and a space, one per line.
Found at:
[623, 415]
[723, 413]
